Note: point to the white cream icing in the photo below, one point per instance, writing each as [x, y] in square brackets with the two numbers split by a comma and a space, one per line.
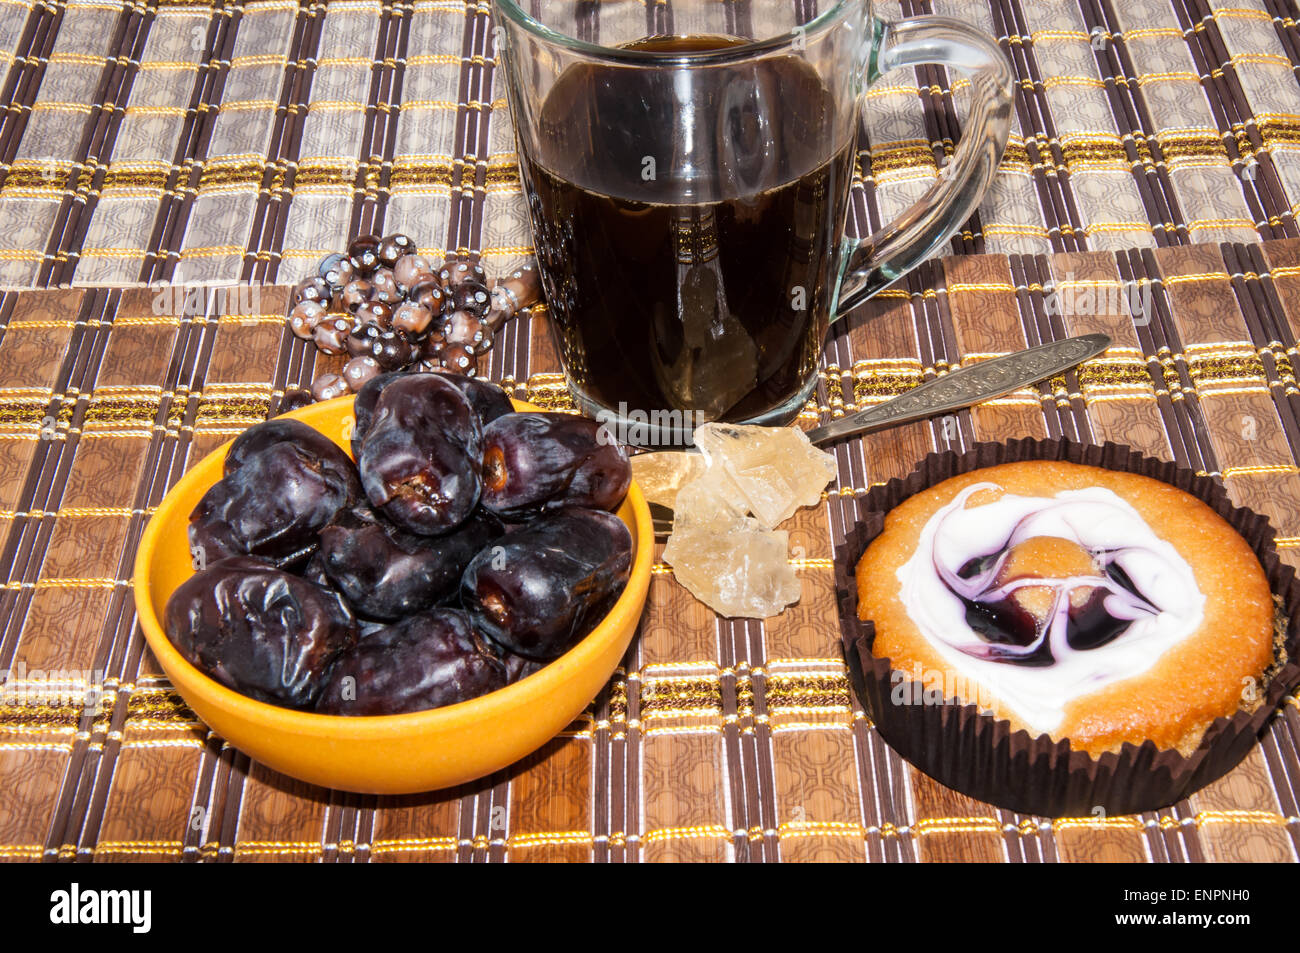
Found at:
[1169, 609]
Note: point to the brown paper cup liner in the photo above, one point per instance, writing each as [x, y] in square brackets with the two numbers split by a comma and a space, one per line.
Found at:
[979, 755]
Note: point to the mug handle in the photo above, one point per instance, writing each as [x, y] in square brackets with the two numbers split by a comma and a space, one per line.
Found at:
[882, 258]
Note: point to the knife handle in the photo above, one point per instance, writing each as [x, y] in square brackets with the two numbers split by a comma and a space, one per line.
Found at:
[966, 386]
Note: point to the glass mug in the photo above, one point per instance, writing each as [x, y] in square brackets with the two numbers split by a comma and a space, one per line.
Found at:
[687, 167]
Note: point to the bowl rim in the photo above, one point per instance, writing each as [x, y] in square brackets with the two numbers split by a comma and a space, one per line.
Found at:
[362, 727]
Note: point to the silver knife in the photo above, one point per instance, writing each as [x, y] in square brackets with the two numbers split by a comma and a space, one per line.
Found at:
[957, 390]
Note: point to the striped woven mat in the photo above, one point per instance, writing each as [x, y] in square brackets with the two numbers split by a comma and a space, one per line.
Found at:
[1146, 192]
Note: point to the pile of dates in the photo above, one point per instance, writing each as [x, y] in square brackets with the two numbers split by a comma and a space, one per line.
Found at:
[390, 308]
[466, 547]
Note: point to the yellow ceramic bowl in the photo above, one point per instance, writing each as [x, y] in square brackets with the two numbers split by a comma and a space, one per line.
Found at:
[385, 754]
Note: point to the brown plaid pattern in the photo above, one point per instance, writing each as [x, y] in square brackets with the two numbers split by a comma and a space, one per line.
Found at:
[1152, 159]
[213, 141]
[717, 739]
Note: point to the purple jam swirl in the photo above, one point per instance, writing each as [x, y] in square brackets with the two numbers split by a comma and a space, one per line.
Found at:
[1011, 634]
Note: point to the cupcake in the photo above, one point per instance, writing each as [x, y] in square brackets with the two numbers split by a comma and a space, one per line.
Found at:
[1054, 635]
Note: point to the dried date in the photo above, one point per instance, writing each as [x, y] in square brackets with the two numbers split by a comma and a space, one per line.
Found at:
[426, 661]
[274, 505]
[539, 590]
[536, 462]
[387, 573]
[265, 633]
[420, 457]
[257, 438]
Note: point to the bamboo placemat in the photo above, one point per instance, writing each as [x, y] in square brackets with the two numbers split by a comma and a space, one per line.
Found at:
[198, 141]
[717, 739]
[1148, 184]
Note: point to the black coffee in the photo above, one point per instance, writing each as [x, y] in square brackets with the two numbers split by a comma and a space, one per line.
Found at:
[689, 274]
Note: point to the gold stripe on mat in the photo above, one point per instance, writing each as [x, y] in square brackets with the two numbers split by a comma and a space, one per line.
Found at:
[1226, 368]
[430, 172]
